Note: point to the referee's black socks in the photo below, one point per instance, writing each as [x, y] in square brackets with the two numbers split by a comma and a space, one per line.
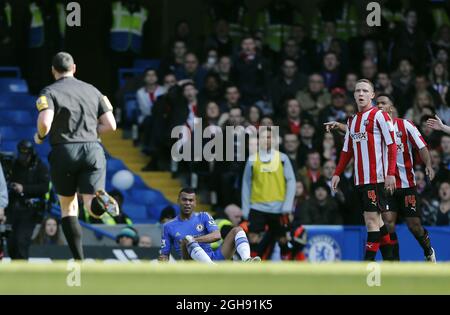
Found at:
[72, 231]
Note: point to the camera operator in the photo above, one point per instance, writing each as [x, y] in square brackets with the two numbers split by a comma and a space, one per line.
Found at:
[3, 205]
[27, 186]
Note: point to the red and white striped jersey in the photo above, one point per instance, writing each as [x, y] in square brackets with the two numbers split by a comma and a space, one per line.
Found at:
[368, 135]
[408, 138]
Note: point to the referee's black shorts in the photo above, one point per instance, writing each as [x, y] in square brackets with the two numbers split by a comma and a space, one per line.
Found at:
[77, 167]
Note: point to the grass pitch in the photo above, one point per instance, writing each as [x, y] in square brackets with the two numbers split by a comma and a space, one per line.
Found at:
[225, 278]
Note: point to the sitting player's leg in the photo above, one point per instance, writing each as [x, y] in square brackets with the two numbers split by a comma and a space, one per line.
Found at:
[195, 251]
[236, 240]
[70, 225]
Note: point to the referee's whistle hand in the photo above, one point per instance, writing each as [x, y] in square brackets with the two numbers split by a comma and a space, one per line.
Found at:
[37, 140]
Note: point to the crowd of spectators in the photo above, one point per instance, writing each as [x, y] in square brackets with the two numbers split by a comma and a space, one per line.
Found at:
[309, 80]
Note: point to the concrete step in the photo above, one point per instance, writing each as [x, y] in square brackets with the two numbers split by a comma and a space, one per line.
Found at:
[135, 160]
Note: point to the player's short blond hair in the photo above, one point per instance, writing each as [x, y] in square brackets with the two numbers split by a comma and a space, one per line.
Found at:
[366, 81]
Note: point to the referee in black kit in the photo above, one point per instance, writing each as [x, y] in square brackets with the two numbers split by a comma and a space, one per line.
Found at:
[73, 114]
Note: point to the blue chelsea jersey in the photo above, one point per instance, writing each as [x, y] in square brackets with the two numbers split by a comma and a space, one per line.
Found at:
[199, 224]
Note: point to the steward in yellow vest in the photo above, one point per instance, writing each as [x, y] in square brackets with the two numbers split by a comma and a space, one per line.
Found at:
[268, 191]
[127, 26]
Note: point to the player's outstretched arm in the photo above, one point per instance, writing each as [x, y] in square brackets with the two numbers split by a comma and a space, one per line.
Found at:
[333, 125]
[344, 159]
[437, 124]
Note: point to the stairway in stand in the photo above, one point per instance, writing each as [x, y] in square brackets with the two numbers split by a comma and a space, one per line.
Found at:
[123, 149]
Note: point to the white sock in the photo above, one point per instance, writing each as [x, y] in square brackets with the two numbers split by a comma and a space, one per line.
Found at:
[242, 245]
[198, 254]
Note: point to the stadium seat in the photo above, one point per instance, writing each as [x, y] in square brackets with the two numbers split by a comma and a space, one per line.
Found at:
[16, 133]
[10, 72]
[8, 146]
[154, 212]
[43, 150]
[114, 165]
[17, 101]
[136, 212]
[13, 85]
[147, 196]
[131, 109]
[139, 183]
[146, 63]
[16, 117]
[24, 101]
[125, 73]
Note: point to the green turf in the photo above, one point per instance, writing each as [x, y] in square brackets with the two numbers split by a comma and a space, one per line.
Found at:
[226, 278]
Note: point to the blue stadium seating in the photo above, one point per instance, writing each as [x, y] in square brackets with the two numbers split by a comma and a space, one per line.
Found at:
[125, 73]
[13, 85]
[154, 212]
[136, 212]
[43, 150]
[147, 63]
[131, 109]
[24, 101]
[147, 196]
[10, 72]
[17, 133]
[114, 165]
[8, 146]
[17, 101]
[17, 117]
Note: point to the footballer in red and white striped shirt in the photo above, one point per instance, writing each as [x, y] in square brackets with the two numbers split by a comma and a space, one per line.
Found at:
[370, 134]
[404, 200]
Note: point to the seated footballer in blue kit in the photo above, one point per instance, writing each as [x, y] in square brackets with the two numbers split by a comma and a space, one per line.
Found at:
[191, 233]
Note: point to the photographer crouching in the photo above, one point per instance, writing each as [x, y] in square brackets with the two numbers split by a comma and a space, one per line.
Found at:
[27, 186]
